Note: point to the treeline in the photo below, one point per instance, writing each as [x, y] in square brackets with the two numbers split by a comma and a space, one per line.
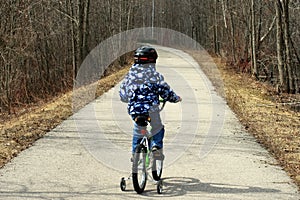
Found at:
[43, 42]
[257, 37]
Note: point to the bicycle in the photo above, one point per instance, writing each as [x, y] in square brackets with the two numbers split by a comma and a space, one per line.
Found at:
[143, 160]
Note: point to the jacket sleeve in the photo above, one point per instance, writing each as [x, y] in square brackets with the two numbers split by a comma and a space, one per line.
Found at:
[167, 93]
[123, 91]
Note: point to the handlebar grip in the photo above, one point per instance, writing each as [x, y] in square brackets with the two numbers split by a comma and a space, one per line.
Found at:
[163, 104]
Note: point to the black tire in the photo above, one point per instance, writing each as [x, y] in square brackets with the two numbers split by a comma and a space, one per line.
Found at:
[157, 168]
[123, 184]
[159, 187]
[139, 174]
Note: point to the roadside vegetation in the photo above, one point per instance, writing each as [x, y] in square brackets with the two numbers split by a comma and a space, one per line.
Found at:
[20, 131]
[262, 110]
[43, 43]
[275, 124]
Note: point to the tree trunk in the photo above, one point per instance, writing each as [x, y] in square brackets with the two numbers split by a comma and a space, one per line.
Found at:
[82, 30]
[216, 39]
[85, 28]
[224, 9]
[282, 78]
[73, 36]
[290, 71]
[232, 32]
[253, 39]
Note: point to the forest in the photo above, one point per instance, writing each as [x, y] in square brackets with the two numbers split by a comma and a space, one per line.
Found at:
[44, 42]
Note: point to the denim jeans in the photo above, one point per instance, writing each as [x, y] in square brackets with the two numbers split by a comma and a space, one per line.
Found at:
[157, 131]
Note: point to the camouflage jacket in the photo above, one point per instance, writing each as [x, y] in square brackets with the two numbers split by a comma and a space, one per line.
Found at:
[142, 87]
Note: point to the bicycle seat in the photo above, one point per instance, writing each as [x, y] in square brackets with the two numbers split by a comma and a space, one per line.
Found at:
[142, 120]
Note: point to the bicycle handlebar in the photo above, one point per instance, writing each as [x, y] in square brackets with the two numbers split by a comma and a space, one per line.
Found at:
[163, 104]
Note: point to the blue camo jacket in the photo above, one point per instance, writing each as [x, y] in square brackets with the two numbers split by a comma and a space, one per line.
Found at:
[142, 87]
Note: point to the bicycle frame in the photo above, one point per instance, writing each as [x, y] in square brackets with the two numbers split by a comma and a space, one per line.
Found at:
[145, 143]
[147, 163]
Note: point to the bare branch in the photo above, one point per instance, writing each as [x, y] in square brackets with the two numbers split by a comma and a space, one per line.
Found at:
[67, 15]
[269, 30]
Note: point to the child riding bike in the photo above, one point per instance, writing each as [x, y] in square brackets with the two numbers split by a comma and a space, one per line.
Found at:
[141, 89]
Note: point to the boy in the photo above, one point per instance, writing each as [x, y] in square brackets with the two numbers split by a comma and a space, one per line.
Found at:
[141, 89]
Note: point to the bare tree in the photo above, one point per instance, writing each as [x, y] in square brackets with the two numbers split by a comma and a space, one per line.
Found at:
[253, 38]
[43, 43]
[281, 69]
[286, 32]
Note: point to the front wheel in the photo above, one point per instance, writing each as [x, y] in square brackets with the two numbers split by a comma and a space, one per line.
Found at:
[157, 168]
[139, 174]
[159, 187]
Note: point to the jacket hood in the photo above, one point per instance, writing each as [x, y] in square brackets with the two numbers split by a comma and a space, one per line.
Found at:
[146, 66]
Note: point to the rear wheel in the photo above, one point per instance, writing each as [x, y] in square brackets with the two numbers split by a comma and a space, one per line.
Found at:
[139, 174]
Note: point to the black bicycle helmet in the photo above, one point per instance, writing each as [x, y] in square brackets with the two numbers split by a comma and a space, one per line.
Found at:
[145, 54]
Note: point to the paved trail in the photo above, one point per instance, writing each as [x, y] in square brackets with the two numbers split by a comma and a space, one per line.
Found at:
[86, 156]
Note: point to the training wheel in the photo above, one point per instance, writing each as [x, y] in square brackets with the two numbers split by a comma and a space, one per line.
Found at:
[159, 187]
[123, 184]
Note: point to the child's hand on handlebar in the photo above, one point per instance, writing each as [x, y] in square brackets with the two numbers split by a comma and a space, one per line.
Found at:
[179, 99]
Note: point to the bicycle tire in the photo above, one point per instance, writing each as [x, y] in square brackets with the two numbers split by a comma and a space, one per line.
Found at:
[123, 184]
[157, 168]
[159, 187]
[139, 174]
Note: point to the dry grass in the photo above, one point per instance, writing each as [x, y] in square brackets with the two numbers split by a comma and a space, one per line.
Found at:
[261, 110]
[276, 127]
[20, 132]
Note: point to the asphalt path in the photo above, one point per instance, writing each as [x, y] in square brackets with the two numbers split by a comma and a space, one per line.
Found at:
[209, 155]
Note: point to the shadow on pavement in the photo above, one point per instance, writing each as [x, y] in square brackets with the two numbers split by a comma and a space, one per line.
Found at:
[14, 190]
[180, 186]
[172, 187]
